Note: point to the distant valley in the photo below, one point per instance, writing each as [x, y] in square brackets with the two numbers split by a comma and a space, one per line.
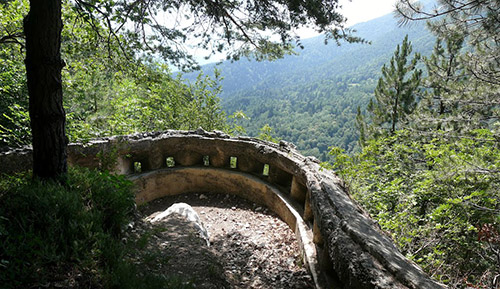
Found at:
[311, 99]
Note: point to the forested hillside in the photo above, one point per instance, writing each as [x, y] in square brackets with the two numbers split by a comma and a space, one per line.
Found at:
[311, 99]
[428, 166]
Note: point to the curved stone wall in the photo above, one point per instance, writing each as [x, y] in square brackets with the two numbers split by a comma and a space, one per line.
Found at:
[342, 246]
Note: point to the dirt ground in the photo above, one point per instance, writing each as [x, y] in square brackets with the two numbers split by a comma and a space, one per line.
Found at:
[250, 247]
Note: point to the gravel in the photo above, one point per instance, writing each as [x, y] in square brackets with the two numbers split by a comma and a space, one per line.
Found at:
[250, 247]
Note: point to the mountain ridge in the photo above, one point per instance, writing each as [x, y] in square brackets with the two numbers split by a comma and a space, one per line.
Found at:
[311, 99]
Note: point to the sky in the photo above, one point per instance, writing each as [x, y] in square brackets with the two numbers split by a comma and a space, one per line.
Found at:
[357, 11]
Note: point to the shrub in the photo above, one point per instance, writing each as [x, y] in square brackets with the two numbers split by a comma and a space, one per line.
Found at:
[48, 230]
[438, 197]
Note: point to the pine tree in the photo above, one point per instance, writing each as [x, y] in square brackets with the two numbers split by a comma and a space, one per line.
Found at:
[465, 82]
[445, 69]
[395, 94]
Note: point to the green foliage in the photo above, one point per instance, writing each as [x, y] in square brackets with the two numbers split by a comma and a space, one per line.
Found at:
[170, 162]
[110, 96]
[433, 194]
[235, 122]
[108, 159]
[48, 230]
[463, 69]
[266, 133]
[233, 162]
[53, 234]
[136, 105]
[15, 130]
[105, 92]
[434, 183]
[205, 110]
[14, 120]
[396, 92]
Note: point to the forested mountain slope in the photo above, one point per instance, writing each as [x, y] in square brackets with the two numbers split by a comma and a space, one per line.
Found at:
[311, 99]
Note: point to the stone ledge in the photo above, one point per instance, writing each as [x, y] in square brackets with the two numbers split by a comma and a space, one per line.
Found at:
[351, 248]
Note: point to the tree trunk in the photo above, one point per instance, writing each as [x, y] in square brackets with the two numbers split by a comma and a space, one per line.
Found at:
[395, 113]
[42, 27]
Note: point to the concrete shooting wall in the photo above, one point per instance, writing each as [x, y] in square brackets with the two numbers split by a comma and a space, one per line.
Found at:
[341, 245]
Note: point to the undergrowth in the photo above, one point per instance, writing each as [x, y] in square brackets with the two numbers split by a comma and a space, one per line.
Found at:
[69, 236]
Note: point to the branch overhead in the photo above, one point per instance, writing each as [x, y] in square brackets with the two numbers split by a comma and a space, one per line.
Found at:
[265, 29]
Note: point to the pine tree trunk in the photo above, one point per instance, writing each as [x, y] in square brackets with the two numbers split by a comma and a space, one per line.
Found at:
[395, 113]
[42, 27]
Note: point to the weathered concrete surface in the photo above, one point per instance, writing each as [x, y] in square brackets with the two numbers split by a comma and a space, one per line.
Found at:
[174, 181]
[352, 251]
[365, 257]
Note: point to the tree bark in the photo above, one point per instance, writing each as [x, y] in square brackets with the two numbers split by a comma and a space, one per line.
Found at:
[395, 112]
[42, 27]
